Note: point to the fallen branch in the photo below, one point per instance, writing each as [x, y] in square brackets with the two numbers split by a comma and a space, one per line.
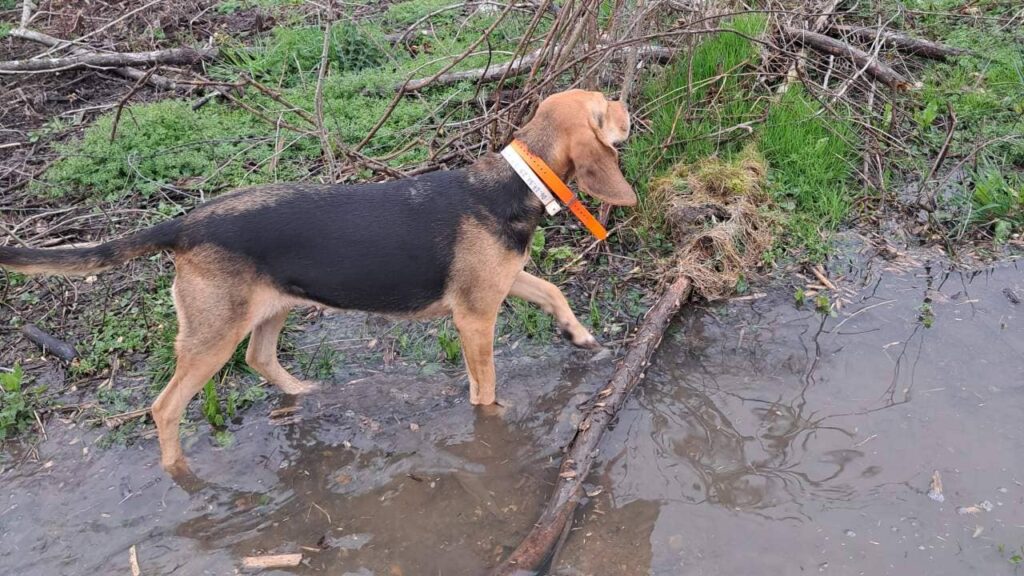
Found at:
[901, 42]
[127, 71]
[828, 45]
[518, 66]
[51, 344]
[535, 549]
[108, 60]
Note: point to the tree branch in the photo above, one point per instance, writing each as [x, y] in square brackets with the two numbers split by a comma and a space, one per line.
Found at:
[127, 71]
[88, 59]
[901, 42]
[828, 45]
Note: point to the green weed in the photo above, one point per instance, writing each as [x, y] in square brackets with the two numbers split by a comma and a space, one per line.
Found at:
[240, 400]
[448, 341]
[525, 318]
[547, 260]
[211, 405]
[926, 315]
[218, 412]
[167, 144]
[997, 202]
[985, 90]
[322, 362]
[823, 304]
[291, 57]
[17, 406]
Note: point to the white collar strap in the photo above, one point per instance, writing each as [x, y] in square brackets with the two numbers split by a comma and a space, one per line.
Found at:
[526, 173]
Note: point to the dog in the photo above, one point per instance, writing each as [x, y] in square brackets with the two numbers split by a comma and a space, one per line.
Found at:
[451, 242]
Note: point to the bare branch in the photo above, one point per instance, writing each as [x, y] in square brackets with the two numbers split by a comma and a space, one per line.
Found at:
[828, 45]
[108, 60]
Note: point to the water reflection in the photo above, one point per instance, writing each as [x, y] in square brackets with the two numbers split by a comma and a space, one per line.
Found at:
[777, 437]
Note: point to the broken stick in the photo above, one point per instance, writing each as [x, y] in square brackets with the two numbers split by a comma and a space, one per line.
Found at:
[536, 548]
[49, 343]
[272, 561]
[521, 65]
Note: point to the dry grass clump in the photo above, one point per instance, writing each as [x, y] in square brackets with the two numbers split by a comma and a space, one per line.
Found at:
[716, 211]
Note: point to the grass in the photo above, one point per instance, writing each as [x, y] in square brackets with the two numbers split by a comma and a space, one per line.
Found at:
[985, 90]
[811, 157]
[168, 145]
[694, 108]
[692, 102]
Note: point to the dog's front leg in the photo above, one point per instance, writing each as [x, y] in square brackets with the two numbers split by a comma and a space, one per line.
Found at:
[476, 330]
[551, 300]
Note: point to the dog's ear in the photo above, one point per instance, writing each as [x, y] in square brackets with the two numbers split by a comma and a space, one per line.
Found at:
[594, 157]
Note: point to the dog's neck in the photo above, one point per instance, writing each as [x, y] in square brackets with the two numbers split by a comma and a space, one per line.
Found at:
[540, 142]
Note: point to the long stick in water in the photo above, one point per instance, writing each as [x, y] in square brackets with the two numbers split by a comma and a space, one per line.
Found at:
[535, 549]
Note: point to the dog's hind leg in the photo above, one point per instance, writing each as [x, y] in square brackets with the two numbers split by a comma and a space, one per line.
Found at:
[213, 317]
[262, 355]
[551, 300]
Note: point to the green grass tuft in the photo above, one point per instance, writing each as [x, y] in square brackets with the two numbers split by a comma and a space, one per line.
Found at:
[811, 157]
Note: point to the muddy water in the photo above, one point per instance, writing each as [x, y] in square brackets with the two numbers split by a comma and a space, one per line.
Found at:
[767, 439]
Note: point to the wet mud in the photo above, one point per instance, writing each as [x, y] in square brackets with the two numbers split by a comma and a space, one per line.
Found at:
[767, 438]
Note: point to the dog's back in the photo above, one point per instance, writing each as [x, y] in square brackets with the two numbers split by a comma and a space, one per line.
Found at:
[385, 247]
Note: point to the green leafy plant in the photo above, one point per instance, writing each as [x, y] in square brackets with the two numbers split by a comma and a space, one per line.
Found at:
[16, 413]
[926, 315]
[211, 405]
[448, 341]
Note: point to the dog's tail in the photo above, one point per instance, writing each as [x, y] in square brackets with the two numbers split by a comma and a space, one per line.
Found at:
[92, 259]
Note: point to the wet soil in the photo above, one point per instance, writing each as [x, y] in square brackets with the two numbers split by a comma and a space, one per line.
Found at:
[766, 439]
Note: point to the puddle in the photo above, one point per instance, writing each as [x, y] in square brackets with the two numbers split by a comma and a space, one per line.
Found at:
[764, 436]
[767, 438]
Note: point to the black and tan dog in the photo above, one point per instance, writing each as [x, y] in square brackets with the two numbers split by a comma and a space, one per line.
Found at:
[448, 242]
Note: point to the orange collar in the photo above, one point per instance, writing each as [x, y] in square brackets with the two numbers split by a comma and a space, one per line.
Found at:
[553, 183]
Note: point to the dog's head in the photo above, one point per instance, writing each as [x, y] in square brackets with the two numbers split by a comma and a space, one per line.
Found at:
[576, 132]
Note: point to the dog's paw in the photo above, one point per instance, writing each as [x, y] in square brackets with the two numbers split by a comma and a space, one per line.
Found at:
[584, 340]
[299, 387]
